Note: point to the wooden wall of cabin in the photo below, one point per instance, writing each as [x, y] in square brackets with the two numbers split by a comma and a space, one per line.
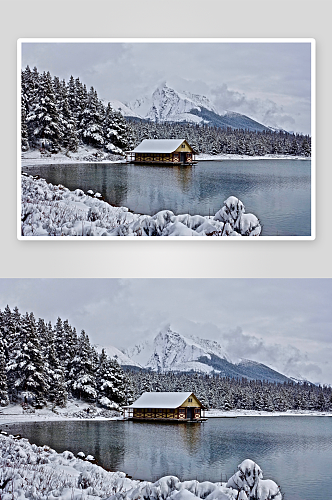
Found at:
[184, 148]
[155, 413]
[192, 401]
[162, 157]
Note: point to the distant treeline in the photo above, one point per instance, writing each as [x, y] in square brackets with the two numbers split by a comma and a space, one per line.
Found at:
[231, 393]
[215, 140]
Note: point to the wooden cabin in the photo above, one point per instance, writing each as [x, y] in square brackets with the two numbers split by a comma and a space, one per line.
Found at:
[166, 406]
[163, 151]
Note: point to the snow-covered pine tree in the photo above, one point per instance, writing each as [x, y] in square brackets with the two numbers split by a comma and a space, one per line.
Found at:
[70, 137]
[26, 84]
[129, 387]
[81, 101]
[109, 131]
[11, 324]
[116, 131]
[67, 122]
[4, 399]
[92, 121]
[26, 367]
[70, 341]
[83, 383]
[57, 391]
[43, 335]
[58, 95]
[110, 382]
[43, 118]
[73, 346]
[60, 342]
[72, 98]
[24, 127]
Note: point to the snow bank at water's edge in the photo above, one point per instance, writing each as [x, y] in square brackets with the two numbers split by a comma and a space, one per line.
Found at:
[48, 210]
[30, 471]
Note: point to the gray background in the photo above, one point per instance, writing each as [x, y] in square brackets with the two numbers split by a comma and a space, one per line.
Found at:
[159, 18]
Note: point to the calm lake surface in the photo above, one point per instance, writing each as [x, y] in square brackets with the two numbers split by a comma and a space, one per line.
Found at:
[276, 191]
[296, 452]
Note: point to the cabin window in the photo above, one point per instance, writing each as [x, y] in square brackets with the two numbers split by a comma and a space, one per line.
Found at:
[190, 400]
[183, 145]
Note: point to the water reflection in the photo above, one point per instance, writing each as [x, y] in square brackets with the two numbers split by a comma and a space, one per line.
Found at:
[294, 451]
[277, 191]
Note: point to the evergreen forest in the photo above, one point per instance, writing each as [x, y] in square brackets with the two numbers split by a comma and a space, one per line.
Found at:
[57, 115]
[231, 393]
[41, 363]
[61, 116]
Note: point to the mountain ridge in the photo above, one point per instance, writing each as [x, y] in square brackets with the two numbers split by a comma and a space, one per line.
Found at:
[168, 105]
[171, 351]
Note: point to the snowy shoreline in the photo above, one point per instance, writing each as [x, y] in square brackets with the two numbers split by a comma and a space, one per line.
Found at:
[34, 157]
[14, 414]
[49, 210]
[31, 471]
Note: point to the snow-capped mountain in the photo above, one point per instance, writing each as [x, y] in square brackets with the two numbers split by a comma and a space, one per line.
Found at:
[167, 104]
[174, 352]
[171, 351]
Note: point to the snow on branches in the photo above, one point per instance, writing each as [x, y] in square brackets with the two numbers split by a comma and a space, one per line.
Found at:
[249, 481]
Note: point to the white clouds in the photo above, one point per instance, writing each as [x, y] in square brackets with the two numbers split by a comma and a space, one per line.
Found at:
[287, 359]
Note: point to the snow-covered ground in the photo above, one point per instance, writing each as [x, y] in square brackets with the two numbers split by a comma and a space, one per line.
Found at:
[48, 210]
[75, 410]
[84, 154]
[79, 410]
[255, 413]
[205, 157]
[88, 154]
[30, 471]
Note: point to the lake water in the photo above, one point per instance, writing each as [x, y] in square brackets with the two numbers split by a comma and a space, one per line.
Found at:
[278, 192]
[296, 452]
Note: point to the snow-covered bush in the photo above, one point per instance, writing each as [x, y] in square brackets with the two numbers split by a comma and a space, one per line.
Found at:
[49, 210]
[249, 480]
[233, 213]
[30, 471]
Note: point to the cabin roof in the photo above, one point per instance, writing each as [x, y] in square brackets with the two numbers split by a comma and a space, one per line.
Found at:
[161, 400]
[158, 146]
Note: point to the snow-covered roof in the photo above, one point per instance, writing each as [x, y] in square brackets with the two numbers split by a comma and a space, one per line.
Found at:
[158, 145]
[161, 400]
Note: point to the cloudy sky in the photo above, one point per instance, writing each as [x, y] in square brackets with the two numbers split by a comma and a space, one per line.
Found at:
[270, 82]
[284, 323]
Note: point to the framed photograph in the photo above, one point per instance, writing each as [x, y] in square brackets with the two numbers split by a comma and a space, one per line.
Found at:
[166, 138]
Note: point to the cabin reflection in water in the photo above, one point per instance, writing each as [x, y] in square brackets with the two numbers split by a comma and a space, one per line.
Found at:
[166, 406]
